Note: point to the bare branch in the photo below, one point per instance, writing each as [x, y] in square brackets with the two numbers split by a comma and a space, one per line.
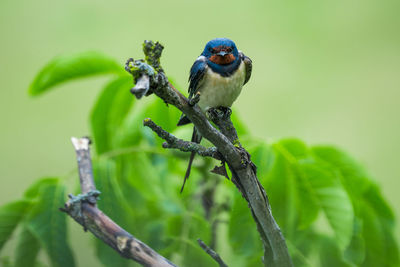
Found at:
[81, 146]
[185, 146]
[212, 253]
[82, 208]
[227, 143]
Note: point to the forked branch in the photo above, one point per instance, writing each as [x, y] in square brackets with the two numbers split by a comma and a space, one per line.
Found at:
[83, 209]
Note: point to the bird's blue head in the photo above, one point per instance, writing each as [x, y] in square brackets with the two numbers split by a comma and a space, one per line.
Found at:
[221, 51]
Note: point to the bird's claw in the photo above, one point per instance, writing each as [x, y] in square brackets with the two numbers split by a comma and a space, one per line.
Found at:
[193, 101]
[220, 112]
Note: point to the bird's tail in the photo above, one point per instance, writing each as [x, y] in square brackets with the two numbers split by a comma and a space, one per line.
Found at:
[196, 137]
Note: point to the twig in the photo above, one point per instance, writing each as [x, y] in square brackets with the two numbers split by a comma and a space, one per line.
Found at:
[83, 209]
[238, 159]
[212, 253]
[185, 146]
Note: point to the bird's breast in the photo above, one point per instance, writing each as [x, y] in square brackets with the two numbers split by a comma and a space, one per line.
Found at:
[217, 91]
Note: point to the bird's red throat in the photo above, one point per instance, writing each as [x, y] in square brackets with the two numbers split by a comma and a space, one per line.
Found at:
[222, 60]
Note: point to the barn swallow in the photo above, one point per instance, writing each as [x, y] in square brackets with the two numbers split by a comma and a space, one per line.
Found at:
[218, 74]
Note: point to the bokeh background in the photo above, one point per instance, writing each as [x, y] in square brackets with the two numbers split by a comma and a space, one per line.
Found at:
[327, 72]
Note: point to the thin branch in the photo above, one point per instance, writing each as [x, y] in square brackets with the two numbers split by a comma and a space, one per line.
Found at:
[212, 253]
[83, 209]
[182, 145]
[81, 146]
[227, 144]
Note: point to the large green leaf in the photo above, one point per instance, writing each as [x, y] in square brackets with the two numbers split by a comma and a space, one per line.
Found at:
[110, 109]
[239, 125]
[10, 216]
[66, 68]
[27, 248]
[372, 243]
[262, 155]
[333, 199]
[293, 201]
[378, 232]
[132, 131]
[280, 190]
[48, 224]
[33, 190]
[166, 116]
[321, 186]
[355, 252]
[246, 243]
[381, 248]
[301, 246]
[354, 178]
[329, 253]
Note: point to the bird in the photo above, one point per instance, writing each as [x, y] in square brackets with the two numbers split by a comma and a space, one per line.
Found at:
[218, 74]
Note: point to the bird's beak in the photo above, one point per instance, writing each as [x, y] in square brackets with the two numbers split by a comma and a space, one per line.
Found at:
[222, 53]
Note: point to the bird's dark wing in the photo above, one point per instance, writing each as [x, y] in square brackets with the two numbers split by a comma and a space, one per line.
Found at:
[248, 65]
[197, 73]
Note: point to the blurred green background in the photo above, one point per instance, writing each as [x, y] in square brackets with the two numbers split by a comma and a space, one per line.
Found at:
[327, 72]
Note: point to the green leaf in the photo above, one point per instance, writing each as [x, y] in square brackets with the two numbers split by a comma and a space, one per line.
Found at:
[329, 254]
[238, 123]
[246, 243]
[110, 109]
[10, 216]
[293, 202]
[295, 149]
[373, 234]
[48, 224]
[166, 116]
[262, 156]
[354, 177]
[27, 248]
[355, 252]
[280, 190]
[67, 68]
[333, 199]
[132, 131]
[34, 189]
[317, 186]
[378, 232]
[301, 247]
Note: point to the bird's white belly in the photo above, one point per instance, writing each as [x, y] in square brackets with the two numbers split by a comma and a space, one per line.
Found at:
[217, 91]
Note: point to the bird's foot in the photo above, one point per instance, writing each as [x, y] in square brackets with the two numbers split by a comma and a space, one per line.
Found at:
[220, 113]
[196, 98]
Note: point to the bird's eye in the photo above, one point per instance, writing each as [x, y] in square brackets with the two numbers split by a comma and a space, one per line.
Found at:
[213, 50]
[229, 50]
